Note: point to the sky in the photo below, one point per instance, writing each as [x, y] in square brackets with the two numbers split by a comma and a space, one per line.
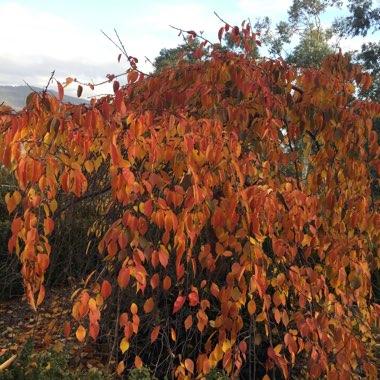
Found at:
[39, 36]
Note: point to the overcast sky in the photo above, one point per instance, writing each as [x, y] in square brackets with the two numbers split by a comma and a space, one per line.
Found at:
[39, 36]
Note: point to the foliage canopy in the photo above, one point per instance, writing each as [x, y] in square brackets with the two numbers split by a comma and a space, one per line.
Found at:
[238, 227]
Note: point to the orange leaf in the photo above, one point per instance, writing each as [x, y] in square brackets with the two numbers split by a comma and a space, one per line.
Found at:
[154, 334]
[173, 334]
[188, 322]
[43, 261]
[178, 303]
[80, 333]
[163, 256]
[277, 300]
[12, 201]
[251, 307]
[41, 295]
[115, 154]
[48, 226]
[138, 362]
[94, 330]
[189, 364]
[120, 368]
[134, 309]
[67, 329]
[148, 305]
[60, 91]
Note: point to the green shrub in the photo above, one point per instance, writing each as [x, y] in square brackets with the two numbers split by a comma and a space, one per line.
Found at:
[49, 365]
[216, 374]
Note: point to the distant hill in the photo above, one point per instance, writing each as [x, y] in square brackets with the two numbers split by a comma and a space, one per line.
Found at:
[15, 96]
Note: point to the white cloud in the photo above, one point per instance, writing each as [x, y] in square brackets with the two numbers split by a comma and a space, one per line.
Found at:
[32, 44]
[35, 42]
[276, 10]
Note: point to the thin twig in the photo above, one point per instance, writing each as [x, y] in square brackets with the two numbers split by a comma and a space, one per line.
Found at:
[191, 33]
[221, 19]
[121, 47]
[31, 88]
[49, 81]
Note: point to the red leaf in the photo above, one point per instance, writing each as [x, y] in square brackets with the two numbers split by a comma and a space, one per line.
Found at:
[67, 329]
[79, 91]
[116, 86]
[193, 299]
[123, 278]
[167, 283]
[106, 289]
[132, 76]
[220, 34]
[178, 303]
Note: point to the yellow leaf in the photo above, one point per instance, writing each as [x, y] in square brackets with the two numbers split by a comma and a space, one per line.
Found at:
[17, 197]
[53, 206]
[278, 348]
[261, 317]
[306, 240]
[58, 347]
[92, 304]
[124, 345]
[89, 166]
[226, 345]
[8, 362]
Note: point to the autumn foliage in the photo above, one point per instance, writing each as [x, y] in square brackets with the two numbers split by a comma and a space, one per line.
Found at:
[238, 227]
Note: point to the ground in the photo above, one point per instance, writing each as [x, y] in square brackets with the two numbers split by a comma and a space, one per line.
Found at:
[44, 328]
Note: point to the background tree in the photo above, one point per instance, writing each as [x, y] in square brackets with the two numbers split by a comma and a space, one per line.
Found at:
[304, 21]
[168, 58]
[364, 18]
